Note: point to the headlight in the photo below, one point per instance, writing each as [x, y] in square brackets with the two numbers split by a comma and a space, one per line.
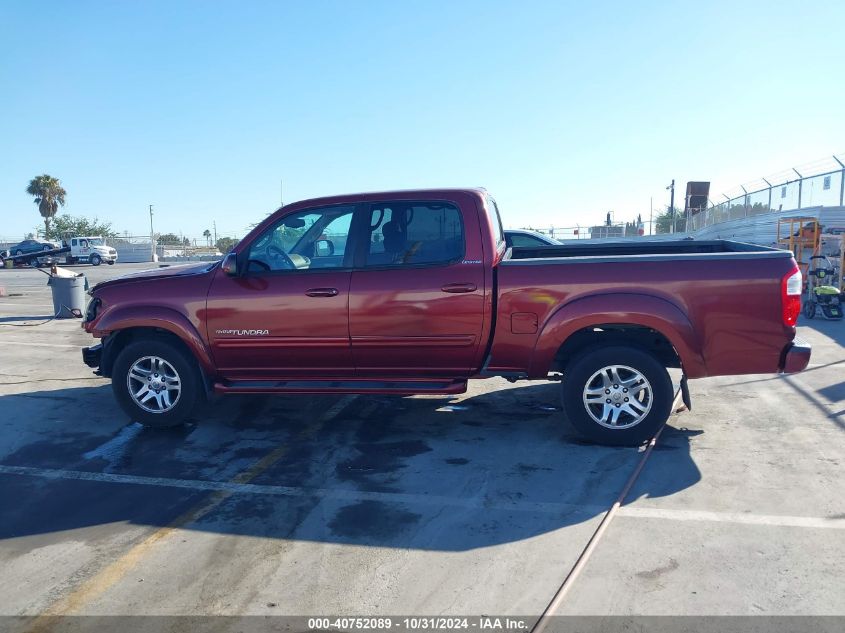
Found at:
[91, 310]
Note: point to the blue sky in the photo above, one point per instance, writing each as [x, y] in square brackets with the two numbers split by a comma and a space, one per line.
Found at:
[564, 110]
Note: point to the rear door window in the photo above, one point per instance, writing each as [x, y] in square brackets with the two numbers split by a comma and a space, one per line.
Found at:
[404, 233]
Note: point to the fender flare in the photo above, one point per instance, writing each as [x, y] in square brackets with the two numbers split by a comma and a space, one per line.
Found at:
[624, 308]
[161, 318]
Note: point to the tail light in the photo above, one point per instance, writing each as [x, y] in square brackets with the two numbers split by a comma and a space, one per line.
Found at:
[790, 293]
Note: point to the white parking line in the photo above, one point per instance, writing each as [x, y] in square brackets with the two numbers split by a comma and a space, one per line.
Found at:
[425, 499]
[732, 517]
[41, 344]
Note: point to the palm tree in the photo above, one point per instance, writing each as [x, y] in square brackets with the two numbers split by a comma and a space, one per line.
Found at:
[49, 194]
[207, 235]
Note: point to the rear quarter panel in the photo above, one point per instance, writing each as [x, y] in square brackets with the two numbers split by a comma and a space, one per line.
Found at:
[721, 313]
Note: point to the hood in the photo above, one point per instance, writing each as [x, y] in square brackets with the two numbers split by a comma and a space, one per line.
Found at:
[164, 272]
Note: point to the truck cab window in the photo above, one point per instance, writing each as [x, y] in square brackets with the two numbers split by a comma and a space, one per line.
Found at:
[408, 233]
[307, 240]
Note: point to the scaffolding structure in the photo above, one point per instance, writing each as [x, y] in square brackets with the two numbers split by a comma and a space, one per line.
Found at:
[802, 236]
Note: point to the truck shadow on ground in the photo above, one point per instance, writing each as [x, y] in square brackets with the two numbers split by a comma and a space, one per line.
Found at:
[435, 473]
[22, 319]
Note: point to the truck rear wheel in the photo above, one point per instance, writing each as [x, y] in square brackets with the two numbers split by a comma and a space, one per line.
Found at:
[617, 395]
[156, 383]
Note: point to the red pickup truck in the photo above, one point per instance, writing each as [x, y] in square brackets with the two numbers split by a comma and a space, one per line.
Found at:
[413, 292]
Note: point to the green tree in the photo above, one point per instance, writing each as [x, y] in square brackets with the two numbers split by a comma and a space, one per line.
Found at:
[207, 235]
[171, 239]
[663, 221]
[225, 244]
[48, 194]
[65, 226]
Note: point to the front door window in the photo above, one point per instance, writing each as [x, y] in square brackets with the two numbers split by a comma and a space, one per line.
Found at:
[308, 240]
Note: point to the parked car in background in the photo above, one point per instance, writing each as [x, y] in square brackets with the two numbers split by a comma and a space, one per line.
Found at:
[523, 237]
[33, 246]
[410, 292]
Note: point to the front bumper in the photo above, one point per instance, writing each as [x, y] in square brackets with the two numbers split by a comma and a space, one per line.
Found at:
[92, 356]
[795, 357]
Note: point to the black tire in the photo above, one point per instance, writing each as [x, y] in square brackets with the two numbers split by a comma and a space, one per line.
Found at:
[71, 260]
[47, 247]
[18, 253]
[95, 260]
[809, 309]
[190, 380]
[583, 371]
[110, 262]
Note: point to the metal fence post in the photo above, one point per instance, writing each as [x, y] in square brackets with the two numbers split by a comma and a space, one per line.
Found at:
[770, 194]
[800, 186]
[841, 181]
[842, 189]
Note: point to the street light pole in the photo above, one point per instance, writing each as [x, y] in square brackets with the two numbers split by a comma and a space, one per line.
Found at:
[152, 237]
[672, 204]
[651, 216]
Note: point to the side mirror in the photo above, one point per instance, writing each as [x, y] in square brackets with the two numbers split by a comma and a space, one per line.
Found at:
[230, 265]
[323, 248]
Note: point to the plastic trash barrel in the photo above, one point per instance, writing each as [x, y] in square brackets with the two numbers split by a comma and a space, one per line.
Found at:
[68, 296]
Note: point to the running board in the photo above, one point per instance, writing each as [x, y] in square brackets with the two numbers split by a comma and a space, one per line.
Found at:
[399, 387]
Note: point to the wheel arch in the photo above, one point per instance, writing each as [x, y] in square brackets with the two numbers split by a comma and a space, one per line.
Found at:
[645, 321]
[121, 327]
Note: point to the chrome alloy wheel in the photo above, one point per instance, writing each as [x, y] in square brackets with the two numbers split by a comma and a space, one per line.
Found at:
[618, 397]
[153, 384]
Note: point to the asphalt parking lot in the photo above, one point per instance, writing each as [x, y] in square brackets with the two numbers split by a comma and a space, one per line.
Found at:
[475, 504]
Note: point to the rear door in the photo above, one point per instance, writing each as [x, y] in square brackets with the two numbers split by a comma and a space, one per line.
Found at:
[416, 299]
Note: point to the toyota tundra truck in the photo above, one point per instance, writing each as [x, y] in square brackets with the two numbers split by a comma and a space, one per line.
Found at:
[415, 292]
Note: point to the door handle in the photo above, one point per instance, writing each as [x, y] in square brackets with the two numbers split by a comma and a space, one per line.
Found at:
[321, 292]
[455, 288]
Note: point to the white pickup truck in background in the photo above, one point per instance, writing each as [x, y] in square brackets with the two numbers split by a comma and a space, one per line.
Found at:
[91, 250]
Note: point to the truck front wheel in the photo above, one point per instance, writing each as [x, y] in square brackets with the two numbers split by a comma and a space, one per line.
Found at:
[95, 259]
[617, 395]
[156, 383]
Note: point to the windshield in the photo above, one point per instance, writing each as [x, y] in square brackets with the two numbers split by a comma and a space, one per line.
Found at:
[95, 241]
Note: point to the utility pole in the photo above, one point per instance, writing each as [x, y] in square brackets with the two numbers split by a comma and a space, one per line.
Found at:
[651, 215]
[672, 204]
[152, 237]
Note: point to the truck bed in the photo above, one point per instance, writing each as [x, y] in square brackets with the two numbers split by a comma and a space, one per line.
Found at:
[645, 248]
[725, 295]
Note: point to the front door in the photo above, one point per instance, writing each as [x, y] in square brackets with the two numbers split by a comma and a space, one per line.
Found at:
[287, 313]
[417, 302]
